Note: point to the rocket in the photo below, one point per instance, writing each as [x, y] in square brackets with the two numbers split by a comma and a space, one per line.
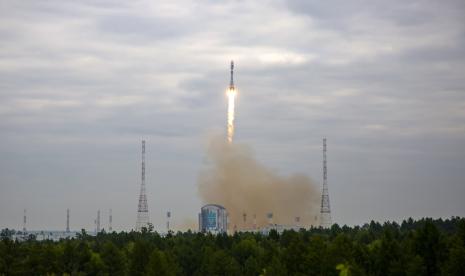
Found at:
[231, 82]
[231, 93]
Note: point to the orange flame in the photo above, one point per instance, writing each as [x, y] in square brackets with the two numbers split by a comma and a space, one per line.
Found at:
[231, 99]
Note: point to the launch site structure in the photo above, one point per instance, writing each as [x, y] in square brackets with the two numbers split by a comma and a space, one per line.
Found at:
[325, 212]
[142, 208]
[67, 220]
[97, 222]
[24, 222]
[213, 218]
[110, 221]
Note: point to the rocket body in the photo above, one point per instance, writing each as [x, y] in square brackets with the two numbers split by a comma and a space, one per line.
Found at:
[231, 82]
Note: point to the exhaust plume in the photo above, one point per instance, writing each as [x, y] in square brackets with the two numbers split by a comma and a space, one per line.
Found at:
[231, 100]
[242, 185]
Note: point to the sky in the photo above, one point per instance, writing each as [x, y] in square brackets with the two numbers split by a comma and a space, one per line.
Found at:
[83, 82]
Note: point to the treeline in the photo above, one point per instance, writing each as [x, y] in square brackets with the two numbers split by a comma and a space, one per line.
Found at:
[424, 247]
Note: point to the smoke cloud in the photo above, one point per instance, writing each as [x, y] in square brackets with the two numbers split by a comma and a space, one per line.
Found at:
[235, 179]
[185, 224]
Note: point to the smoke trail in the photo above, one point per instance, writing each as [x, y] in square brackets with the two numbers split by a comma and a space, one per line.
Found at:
[231, 100]
[237, 181]
[185, 224]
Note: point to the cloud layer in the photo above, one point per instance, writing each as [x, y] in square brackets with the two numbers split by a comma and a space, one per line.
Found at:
[82, 82]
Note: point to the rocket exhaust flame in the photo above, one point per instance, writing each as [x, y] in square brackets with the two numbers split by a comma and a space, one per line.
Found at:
[231, 105]
[231, 102]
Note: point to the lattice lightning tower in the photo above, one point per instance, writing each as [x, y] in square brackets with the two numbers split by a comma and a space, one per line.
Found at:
[142, 210]
[325, 213]
[67, 220]
[97, 222]
[110, 222]
[24, 222]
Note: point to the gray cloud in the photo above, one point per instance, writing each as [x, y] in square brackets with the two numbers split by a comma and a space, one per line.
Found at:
[81, 83]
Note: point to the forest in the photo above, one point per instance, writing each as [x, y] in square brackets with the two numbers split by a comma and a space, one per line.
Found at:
[413, 247]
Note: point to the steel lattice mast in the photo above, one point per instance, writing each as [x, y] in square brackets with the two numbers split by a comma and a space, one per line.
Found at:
[325, 212]
[24, 222]
[67, 220]
[142, 210]
[110, 222]
[97, 222]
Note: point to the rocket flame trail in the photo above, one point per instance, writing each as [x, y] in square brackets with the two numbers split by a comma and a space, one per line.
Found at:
[231, 99]
[236, 180]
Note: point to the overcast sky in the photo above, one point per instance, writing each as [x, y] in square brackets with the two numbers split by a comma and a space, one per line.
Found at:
[82, 82]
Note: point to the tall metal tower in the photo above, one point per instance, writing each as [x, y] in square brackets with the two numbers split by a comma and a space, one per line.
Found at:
[325, 212]
[97, 222]
[67, 220]
[142, 208]
[24, 221]
[168, 216]
[110, 222]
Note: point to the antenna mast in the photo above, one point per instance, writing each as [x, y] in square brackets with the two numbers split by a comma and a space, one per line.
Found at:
[168, 216]
[98, 221]
[110, 222]
[24, 222]
[142, 210]
[325, 213]
[67, 220]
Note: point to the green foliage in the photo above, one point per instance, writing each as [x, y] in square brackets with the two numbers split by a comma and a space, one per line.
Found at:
[429, 246]
[343, 269]
[161, 264]
[424, 247]
[416, 266]
[275, 268]
[114, 260]
[139, 257]
[218, 262]
[455, 264]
